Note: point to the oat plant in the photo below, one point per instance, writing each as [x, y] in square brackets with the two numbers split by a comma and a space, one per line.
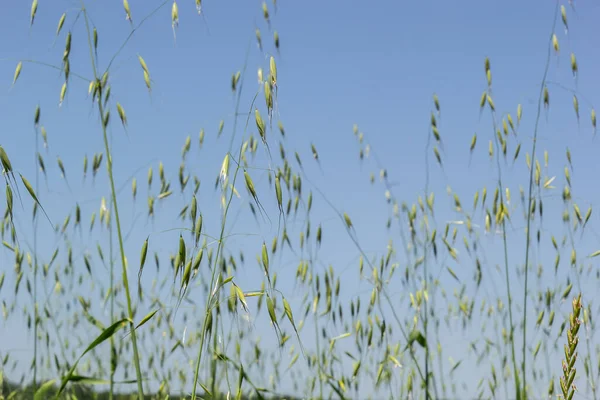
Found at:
[372, 321]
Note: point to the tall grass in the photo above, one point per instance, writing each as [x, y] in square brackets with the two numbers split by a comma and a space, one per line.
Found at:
[195, 328]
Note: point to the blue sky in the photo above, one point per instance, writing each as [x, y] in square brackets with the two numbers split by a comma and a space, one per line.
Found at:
[376, 65]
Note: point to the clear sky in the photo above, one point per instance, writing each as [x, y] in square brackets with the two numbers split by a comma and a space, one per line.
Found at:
[375, 64]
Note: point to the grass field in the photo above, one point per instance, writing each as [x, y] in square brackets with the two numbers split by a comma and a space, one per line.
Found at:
[185, 218]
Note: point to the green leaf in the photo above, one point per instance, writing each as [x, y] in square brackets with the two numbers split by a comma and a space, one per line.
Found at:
[595, 254]
[88, 380]
[40, 394]
[418, 337]
[106, 334]
[143, 254]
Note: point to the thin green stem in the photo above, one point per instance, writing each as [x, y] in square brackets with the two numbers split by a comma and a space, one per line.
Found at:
[316, 322]
[35, 269]
[213, 365]
[214, 292]
[510, 313]
[112, 311]
[109, 164]
[71, 73]
[530, 199]
[114, 57]
[425, 278]
[506, 268]
[211, 298]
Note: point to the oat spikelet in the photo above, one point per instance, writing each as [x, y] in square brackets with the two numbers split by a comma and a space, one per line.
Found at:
[122, 115]
[143, 63]
[63, 92]
[555, 44]
[36, 117]
[174, 18]
[61, 22]
[265, 10]
[276, 39]
[127, 11]
[260, 125]
[147, 80]
[563, 14]
[96, 41]
[473, 142]
[17, 72]
[34, 6]
[258, 39]
[273, 71]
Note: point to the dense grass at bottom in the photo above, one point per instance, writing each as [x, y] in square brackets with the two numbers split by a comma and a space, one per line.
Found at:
[14, 391]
